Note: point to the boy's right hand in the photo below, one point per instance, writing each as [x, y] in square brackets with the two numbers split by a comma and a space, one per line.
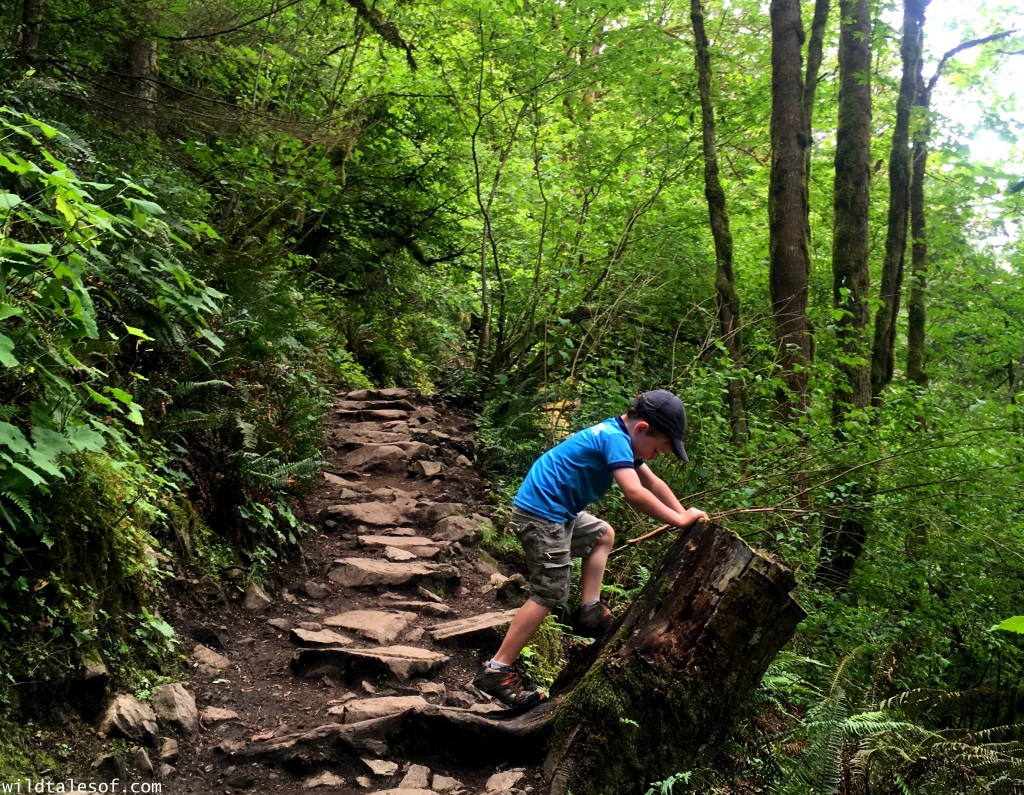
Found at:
[692, 515]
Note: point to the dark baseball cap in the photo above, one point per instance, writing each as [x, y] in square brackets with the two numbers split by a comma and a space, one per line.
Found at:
[665, 412]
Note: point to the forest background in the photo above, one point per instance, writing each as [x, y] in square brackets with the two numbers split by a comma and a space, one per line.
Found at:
[804, 220]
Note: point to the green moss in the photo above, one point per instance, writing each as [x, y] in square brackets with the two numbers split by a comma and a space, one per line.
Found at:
[18, 757]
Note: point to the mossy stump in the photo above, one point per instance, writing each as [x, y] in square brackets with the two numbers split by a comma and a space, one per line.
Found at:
[662, 693]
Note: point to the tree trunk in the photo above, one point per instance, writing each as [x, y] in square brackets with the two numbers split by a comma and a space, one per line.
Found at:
[916, 307]
[883, 353]
[815, 45]
[789, 253]
[142, 68]
[27, 36]
[727, 298]
[656, 696]
[845, 529]
[662, 693]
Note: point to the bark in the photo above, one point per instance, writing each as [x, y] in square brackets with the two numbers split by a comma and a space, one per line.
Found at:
[916, 303]
[845, 529]
[883, 347]
[663, 692]
[727, 299]
[27, 37]
[789, 253]
[143, 70]
[815, 45]
[658, 695]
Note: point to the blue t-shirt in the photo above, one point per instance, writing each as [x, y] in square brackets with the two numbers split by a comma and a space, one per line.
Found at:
[576, 472]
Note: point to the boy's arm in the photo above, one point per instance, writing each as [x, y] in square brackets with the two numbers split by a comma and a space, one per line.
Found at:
[650, 502]
[658, 487]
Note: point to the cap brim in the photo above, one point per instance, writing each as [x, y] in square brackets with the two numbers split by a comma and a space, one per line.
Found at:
[680, 451]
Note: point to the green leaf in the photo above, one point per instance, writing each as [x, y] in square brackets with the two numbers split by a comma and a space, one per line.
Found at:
[8, 201]
[137, 332]
[1014, 624]
[12, 438]
[7, 357]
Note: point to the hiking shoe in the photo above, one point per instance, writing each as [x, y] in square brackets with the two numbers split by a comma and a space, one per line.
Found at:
[593, 620]
[506, 685]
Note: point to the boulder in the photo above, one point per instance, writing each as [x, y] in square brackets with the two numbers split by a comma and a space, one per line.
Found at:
[128, 717]
[458, 528]
[174, 705]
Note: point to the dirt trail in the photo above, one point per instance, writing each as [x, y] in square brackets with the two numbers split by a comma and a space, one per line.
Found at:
[366, 630]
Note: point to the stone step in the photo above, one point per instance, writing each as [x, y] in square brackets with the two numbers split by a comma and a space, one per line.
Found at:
[383, 626]
[352, 664]
[372, 415]
[359, 709]
[418, 545]
[375, 404]
[375, 514]
[485, 629]
[317, 640]
[365, 572]
[391, 393]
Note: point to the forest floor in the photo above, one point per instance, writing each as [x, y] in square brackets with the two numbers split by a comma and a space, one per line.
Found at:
[362, 629]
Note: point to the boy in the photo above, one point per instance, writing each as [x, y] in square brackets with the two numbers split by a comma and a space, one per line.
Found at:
[548, 518]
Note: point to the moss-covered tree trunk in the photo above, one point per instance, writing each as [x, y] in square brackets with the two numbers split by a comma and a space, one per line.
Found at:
[727, 297]
[790, 260]
[662, 693]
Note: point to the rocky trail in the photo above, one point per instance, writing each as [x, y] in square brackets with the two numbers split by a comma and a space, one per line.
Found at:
[305, 685]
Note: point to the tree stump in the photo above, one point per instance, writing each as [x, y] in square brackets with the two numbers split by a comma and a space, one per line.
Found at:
[661, 694]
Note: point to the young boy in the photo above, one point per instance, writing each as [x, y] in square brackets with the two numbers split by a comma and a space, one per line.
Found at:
[548, 518]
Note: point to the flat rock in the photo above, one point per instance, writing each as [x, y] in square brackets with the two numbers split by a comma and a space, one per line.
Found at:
[318, 640]
[396, 555]
[503, 781]
[485, 628]
[381, 767]
[376, 458]
[343, 483]
[380, 625]
[374, 403]
[417, 545]
[126, 716]
[444, 784]
[388, 393]
[212, 715]
[174, 705]
[325, 779]
[204, 655]
[354, 437]
[280, 624]
[363, 572]
[403, 791]
[372, 415]
[426, 608]
[377, 514]
[382, 706]
[401, 662]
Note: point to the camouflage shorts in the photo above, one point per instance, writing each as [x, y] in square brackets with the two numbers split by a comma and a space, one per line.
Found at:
[549, 548]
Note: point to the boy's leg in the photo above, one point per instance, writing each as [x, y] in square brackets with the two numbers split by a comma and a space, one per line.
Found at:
[592, 540]
[593, 565]
[546, 548]
[527, 620]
